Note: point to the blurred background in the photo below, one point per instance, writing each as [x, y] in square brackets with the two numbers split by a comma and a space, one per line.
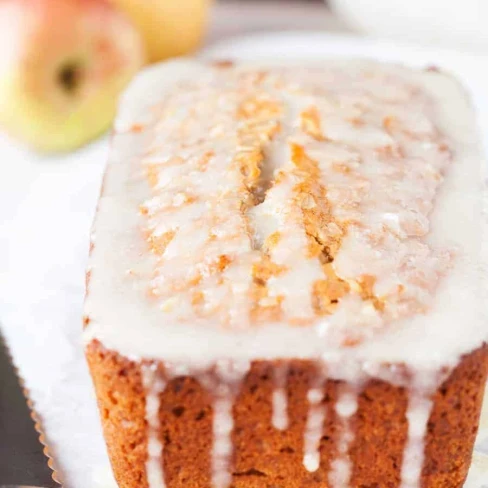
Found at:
[61, 58]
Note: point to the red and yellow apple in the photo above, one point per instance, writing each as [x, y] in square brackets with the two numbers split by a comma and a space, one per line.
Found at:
[169, 27]
[63, 64]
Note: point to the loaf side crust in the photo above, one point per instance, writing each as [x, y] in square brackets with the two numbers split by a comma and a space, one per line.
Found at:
[265, 457]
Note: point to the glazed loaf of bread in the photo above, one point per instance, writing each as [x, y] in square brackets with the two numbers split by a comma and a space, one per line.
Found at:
[286, 284]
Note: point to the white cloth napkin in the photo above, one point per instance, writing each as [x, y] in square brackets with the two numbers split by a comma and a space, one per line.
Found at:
[46, 209]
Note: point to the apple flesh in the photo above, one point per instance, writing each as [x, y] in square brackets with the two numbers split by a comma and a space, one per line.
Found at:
[63, 64]
[169, 27]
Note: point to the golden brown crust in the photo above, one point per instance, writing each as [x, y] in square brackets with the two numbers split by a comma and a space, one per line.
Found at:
[381, 433]
[454, 422]
[121, 402]
[265, 457]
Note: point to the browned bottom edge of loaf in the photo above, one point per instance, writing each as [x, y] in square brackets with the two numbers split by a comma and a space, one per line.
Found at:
[267, 458]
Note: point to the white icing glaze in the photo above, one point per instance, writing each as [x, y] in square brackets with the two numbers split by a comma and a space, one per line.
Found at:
[154, 385]
[418, 414]
[222, 442]
[223, 381]
[230, 375]
[341, 468]
[118, 307]
[279, 417]
[314, 429]
[368, 158]
[413, 456]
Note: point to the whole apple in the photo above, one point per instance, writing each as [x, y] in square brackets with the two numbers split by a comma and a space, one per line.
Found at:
[63, 64]
[169, 27]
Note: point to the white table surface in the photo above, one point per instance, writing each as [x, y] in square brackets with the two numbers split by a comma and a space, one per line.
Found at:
[236, 18]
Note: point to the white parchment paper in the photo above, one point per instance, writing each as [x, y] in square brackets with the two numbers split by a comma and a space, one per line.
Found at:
[46, 209]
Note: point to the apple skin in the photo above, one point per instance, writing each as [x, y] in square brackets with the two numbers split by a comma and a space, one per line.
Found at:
[63, 64]
[169, 27]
